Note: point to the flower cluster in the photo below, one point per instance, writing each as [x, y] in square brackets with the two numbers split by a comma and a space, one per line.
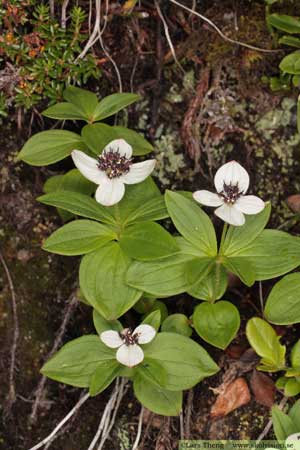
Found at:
[129, 352]
[112, 170]
[232, 183]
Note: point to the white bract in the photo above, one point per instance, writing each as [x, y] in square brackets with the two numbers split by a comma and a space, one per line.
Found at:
[231, 182]
[112, 169]
[129, 352]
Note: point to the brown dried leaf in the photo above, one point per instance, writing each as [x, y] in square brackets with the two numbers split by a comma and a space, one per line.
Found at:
[236, 394]
[293, 202]
[234, 351]
[263, 388]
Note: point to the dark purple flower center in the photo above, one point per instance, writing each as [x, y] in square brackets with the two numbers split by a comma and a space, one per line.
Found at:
[128, 337]
[230, 193]
[113, 163]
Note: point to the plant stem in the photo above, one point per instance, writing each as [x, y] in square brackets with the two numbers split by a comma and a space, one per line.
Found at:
[224, 232]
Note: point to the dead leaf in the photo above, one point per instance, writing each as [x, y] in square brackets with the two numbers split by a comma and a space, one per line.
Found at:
[236, 394]
[235, 351]
[293, 202]
[263, 388]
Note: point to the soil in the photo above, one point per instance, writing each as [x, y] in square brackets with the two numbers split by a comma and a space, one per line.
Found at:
[191, 139]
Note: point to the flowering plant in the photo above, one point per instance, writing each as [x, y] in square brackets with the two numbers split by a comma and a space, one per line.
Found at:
[129, 260]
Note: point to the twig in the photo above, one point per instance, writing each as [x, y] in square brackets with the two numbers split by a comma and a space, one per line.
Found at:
[181, 426]
[93, 37]
[72, 303]
[226, 38]
[50, 437]
[146, 431]
[168, 37]
[51, 3]
[64, 14]
[133, 73]
[13, 350]
[106, 411]
[107, 422]
[188, 414]
[267, 428]
[105, 51]
[261, 297]
[110, 422]
[139, 430]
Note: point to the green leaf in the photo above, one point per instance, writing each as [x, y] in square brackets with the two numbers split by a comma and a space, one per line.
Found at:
[161, 278]
[153, 209]
[64, 111]
[272, 254]
[102, 281]
[157, 400]
[177, 323]
[76, 361]
[295, 355]
[146, 241]
[238, 238]
[79, 204]
[103, 376]
[139, 144]
[292, 41]
[102, 324]
[112, 104]
[48, 147]
[144, 305]
[194, 225]
[283, 22]
[135, 196]
[294, 414]
[166, 277]
[79, 237]
[281, 382]
[70, 181]
[264, 340]
[153, 372]
[292, 388]
[85, 101]
[153, 319]
[97, 136]
[213, 286]
[290, 63]
[185, 361]
[198, 268]
[160, 307]
[283, 303]
[282, 424]
[242, 268]
[217, 323]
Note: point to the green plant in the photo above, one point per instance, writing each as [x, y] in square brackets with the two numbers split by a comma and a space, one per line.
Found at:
[44, 55]
[288, 28]
[130, 260]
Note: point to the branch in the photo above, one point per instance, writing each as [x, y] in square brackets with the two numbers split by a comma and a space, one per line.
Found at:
[12, 391]
[168, 37]
[139, 430]
[50, 437]
[226, 38]
[64, 14]
[67, 313]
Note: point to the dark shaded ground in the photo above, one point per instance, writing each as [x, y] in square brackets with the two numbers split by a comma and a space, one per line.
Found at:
[235, 116]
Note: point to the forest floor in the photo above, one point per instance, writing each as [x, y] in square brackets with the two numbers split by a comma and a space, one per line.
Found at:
[210, 107]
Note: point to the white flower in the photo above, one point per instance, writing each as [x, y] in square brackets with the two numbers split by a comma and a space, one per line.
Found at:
[129, 352]
[111, 170]
[231, 182]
